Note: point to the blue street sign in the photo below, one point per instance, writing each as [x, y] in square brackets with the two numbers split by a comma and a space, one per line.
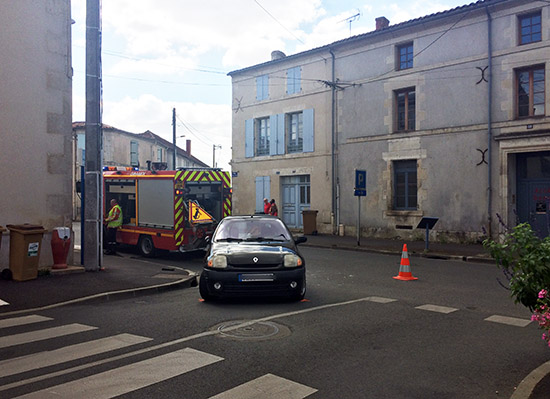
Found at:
[360, 183]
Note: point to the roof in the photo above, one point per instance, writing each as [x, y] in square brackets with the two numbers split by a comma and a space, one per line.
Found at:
[147, 135]
[390, 29]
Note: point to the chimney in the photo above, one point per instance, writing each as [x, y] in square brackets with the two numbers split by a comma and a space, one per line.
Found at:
[277, 55]
[188, 147]
[382, 23]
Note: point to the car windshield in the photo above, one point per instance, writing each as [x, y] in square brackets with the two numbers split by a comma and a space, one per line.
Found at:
[252, 230]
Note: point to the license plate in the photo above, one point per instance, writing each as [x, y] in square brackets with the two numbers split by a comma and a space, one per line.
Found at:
[256, 277]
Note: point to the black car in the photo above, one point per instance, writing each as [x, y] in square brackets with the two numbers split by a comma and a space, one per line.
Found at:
[253, 256]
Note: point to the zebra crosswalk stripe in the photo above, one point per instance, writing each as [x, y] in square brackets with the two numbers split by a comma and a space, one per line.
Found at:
[511, 321]
[40, 335]
[268, 386]
[68, 353]
[23, 320]
[3, 303]
[437, 309]
[129, 378]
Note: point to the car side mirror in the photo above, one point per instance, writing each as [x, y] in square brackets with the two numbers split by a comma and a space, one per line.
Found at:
[300, 240]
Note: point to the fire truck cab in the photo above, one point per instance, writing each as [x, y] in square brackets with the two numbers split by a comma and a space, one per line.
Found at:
[167, 210]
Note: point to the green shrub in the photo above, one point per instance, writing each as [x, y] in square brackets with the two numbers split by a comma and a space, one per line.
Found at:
[525, 260]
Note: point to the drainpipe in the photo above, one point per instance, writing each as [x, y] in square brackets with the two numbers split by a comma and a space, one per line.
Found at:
[335, 214]
[489, 122]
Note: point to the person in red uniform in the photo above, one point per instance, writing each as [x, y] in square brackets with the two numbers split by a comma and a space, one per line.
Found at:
[273, 210]
[267, 206]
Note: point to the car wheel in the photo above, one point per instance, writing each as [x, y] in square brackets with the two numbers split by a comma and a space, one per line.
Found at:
[300, 294]
[203, 289]
[146, 246]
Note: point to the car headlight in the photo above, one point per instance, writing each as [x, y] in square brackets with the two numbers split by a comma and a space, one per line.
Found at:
[292, 260]
[218, 261]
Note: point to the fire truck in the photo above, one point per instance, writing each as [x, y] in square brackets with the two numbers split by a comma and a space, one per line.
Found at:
[167, 209]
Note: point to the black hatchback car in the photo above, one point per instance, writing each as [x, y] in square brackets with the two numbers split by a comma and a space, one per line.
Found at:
[253, 256]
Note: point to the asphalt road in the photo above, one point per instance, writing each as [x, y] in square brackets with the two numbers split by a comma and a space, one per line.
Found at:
[453, 333]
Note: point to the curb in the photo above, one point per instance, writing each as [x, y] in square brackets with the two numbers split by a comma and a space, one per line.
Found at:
[189, 281]
[431, 255]
[528, 384]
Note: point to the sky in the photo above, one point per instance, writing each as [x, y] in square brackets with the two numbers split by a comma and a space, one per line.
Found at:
[158, 55]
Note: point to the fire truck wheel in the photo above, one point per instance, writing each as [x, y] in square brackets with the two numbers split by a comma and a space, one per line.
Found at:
[200, 233]
[146, 246]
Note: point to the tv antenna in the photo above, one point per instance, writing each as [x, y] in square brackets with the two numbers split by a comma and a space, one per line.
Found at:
[351, 19]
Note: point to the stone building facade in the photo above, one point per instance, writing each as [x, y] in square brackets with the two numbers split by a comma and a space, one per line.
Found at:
[35, 118]
[448, 114]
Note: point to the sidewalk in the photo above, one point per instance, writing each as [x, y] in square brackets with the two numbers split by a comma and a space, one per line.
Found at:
[123, 276]
[465, 252]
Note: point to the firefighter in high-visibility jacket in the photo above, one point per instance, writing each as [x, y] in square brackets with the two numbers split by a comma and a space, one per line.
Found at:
[114, 221]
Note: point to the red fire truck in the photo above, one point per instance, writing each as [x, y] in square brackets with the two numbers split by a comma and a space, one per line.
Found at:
[167, 210]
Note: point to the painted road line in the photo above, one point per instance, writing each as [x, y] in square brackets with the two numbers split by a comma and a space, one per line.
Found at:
[179, 341]
[379, 299]
[438, 309]
[3, 303]
[20, 321]
[268, 386]
[40, 335]
[511, 321]
[68, 353]
[122, 380]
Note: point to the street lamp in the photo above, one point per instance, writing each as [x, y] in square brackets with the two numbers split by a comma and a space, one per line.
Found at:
[176, 149]
[214, 146]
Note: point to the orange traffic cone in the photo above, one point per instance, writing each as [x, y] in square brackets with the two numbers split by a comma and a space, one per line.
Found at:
[405, 268]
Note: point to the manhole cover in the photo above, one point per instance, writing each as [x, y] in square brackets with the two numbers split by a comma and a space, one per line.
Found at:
[248, 330]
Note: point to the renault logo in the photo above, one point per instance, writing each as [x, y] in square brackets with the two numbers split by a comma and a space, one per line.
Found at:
[255, 259]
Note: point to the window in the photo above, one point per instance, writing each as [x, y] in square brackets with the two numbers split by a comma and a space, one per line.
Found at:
[405, 185]
[280, 134]
[134, 155]
[405, 56]
[295, 131]
[530, 28]
[406, 106]
[293, 80]
[263, 134]
[530, 91]
[262, 87]
[159, 154]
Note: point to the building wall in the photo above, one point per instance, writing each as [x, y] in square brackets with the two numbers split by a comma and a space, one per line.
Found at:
[452, 142]
[35, 117]
[313, 95]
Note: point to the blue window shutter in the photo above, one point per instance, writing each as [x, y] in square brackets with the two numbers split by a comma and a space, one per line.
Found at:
[280, 134]
[298, 77]
[293, 80]
[262, 87]
[259, 82]
[265, 87]
[290, 81]
[267, 188]
[259, 193]
[273, 128]
[309, 130]
[249, 138]
[262, 191]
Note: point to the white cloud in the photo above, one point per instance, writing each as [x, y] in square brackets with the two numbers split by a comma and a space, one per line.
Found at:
[182, 29]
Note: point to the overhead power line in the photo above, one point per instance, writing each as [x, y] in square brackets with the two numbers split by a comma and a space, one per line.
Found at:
[276, 20]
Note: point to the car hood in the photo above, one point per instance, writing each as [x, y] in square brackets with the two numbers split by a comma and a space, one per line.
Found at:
[243, 253]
